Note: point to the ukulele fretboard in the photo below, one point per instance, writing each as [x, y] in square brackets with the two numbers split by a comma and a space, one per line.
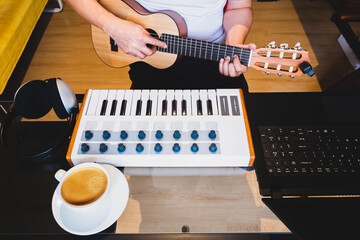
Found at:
[203, 49]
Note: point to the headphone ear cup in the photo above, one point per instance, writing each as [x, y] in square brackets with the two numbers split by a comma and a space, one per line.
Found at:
[62, 97]
[31, 100]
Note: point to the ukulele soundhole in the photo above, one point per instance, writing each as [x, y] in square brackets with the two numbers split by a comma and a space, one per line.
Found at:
[153, 34]
[113, 45]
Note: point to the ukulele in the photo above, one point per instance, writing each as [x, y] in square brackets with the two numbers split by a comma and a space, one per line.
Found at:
[170, 27]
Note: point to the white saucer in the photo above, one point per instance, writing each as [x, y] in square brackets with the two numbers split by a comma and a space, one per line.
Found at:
[87, 223]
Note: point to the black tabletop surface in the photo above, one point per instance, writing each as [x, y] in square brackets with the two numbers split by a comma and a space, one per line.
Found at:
[27, 189]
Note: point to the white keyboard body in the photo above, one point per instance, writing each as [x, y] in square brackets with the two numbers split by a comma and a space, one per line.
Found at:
[180, 128]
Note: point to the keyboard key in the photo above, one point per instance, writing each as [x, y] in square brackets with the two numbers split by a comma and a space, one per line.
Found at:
[311, 150]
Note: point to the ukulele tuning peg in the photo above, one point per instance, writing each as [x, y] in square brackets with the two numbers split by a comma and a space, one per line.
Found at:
[284, 46]
[279, 74]
[298, 47]
[292, 76]
[266, 72]
[271, 45]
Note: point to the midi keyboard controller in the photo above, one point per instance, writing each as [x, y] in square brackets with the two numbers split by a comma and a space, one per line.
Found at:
[163, 128]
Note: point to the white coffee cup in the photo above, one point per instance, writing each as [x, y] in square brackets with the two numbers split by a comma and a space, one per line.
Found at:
[84, 187]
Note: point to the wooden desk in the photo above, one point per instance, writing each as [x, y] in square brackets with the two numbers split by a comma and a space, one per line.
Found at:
[167, 200]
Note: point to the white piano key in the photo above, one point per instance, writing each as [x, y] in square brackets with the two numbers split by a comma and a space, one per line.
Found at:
[128, 98]
[212, 97]
[154, 100]
[169, 97]
[102, 97]
[119, 97]
[161, 97]
[93, 100]
[194, 98]
[187, 98]
[178, 97]
[204, 98]
[134, 102]
[110, 98]
[145, 94]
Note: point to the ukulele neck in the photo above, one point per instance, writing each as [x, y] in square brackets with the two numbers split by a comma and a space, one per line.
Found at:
[202, 49]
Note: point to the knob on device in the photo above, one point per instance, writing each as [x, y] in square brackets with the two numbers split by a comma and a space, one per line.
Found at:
[106, 135]
[139, 148]
[177, 135]
[103, 148]
[194, 135]
[159, 135]
[123, 135]
[88, 134]
[121, 148]
[212, 134]
[194, 148]
[213, 148]
[158, 148]
[141, 135]
[176, 148]
[85, 148]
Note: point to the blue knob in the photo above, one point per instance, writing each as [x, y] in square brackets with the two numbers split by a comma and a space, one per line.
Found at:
[88, 134]
[159, 135]
[123, 135]
[194, 135]
[139, 148]
[85, 148]
[141, 135]
[103, 148]
[212, 134]
[177, 135]
[194, 148]
[213, 148]
[158, 148]
[106, 135]
[121, 148]
[176, 148]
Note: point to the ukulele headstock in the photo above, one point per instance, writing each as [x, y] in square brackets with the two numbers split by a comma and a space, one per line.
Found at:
[282, 60]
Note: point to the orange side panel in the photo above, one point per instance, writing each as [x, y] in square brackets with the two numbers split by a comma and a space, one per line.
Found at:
[72, 140]
[248, 132]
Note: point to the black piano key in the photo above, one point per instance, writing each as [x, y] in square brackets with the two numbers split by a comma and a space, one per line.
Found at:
[209, 107]
[183, 107]
[148, 107]
[174, 106]
[164, 107]
[123, 107]
[199, 107]
[113, 107]
[138, 107]
[103, 107]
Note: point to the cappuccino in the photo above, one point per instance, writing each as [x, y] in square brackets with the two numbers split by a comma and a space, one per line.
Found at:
[84, 186]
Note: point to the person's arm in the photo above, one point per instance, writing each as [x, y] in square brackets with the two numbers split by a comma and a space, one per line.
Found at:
[237, 23]
[130, 37]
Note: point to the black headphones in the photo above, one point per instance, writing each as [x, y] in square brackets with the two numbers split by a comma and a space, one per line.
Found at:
[34, 100]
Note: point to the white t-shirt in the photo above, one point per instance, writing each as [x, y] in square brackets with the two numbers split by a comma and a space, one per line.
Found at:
[203, 18]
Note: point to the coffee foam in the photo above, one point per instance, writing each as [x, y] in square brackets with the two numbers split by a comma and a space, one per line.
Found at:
[84, 186]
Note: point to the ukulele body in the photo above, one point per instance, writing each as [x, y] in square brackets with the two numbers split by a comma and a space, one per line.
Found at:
[161, 22]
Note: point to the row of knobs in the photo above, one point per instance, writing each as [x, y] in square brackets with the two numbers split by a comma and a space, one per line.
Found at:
[142, 135]
[140, 148]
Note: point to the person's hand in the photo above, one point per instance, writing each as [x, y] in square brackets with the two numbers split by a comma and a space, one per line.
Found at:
[234, 68]
[133, 39]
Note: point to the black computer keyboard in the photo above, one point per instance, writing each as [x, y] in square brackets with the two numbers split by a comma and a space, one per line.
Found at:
[311, 150]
